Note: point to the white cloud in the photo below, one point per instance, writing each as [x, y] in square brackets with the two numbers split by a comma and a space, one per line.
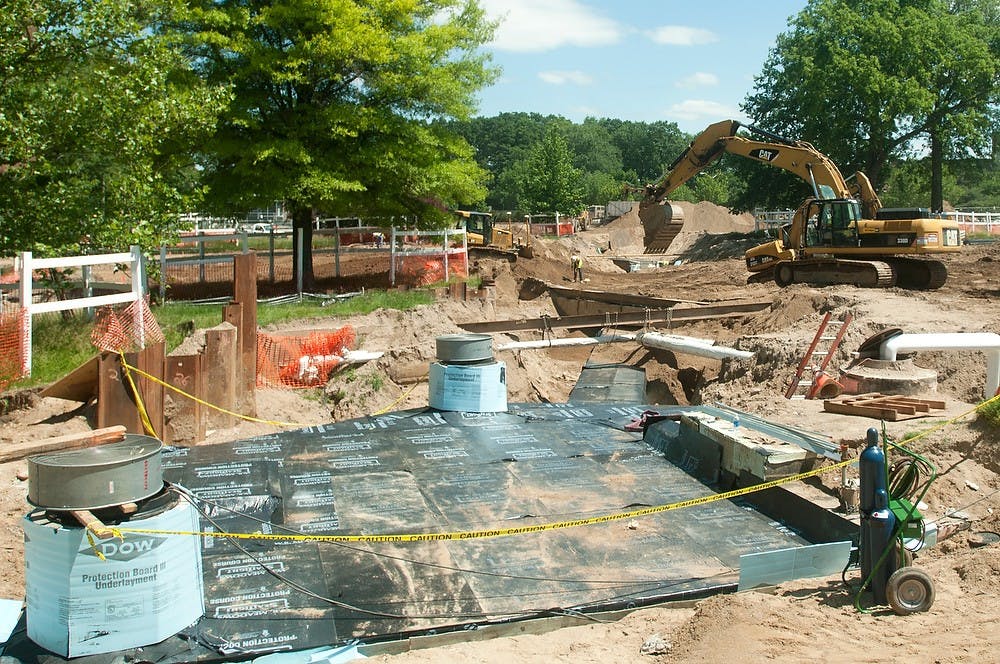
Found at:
[534, 26]
[698, 109]
[562, 77]
[699, 79]
[680, 35]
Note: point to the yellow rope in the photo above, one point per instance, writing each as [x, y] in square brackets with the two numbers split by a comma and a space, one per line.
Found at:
[383, 411]
[206, 403]
[143, 415]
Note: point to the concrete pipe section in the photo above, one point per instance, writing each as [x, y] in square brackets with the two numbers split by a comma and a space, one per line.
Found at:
[987, 342]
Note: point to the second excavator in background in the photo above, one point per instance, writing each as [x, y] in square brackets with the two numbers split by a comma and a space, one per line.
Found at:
[840, 235]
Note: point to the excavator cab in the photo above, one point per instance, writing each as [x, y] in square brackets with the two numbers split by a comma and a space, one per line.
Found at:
[832, 223]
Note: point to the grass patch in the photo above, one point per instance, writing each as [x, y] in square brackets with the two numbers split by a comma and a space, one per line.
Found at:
[990, 411]
[59, 346]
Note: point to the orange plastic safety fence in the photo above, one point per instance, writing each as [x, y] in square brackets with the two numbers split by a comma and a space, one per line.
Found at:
[305, 361]
[12, 347]
[425, 270]
[128, 330]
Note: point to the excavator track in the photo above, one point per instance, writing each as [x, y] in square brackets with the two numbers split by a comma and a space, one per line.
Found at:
[830, 271]
[919, 273]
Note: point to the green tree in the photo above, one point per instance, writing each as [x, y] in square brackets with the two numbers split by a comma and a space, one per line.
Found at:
[500, 142]
[98, 116]
[869, 81]
[335, 105]
[550, 182]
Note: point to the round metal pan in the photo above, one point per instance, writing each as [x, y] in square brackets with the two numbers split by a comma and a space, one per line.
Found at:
[96, 477]
[464, 348]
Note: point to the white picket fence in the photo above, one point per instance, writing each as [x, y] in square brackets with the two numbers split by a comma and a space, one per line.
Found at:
[28, 264]
[977, 222]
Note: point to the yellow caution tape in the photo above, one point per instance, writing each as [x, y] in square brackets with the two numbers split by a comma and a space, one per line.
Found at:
[383, 411]
[248, 418]
[500, 532]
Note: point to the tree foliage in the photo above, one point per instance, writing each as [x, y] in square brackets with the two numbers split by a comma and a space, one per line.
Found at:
[549, 181]
[871, 81]
[609, 153]
[331, 102]
[334, 104]
[98, 114]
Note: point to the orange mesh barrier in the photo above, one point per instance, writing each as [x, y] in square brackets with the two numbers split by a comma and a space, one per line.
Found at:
[299, 362]
[425, 270]
[11, 347]
[129, 330]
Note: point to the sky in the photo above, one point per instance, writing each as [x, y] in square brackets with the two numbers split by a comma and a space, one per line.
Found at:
[681, 61]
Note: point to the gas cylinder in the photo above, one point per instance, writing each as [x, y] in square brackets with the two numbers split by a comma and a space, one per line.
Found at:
[871, 466]
[878, 524]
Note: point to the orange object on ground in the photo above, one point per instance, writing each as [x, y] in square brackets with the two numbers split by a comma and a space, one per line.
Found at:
[11, 347]
[297, 362]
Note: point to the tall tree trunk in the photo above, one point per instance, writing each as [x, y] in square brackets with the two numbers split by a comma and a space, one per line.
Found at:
[937, 171]
[874, 162]
[302, 216]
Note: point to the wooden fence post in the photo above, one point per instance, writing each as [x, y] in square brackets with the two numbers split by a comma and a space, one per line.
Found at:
[115, 404]
[223, 372]
[184, 418]
[246, 294]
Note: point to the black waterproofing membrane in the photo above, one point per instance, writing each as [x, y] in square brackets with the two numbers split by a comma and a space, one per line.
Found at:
[433, 473]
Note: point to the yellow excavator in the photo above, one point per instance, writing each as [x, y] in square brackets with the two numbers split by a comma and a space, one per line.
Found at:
[486, 240]
[839, 235]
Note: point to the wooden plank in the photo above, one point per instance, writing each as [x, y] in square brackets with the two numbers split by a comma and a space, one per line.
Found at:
[882, 406]
[223, 372]
[183, 416]
[78, 385]
[246, 294]
[151, 361]
[114, 395]
[72, 441]
[865, 411]
[86, 519]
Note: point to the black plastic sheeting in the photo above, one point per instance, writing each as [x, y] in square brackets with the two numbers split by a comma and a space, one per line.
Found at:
[609, 383]
[425, 471]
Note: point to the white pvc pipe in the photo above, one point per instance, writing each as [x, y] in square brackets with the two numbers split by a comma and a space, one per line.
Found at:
[580, 341]
[988, 342]
[691, 346]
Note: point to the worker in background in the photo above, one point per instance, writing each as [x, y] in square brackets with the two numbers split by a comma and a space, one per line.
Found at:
[379, 239]
[577, 262]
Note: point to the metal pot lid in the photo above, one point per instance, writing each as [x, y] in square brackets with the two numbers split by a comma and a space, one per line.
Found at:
[468, 347]
[133, 448]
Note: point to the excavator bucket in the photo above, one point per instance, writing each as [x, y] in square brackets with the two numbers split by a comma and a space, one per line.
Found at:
[661, 222]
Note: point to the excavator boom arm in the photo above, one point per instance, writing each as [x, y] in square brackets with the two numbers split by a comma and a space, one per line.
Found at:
[798, 157]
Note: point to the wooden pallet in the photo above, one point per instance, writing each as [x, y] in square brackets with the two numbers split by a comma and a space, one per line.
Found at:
[882, 406]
